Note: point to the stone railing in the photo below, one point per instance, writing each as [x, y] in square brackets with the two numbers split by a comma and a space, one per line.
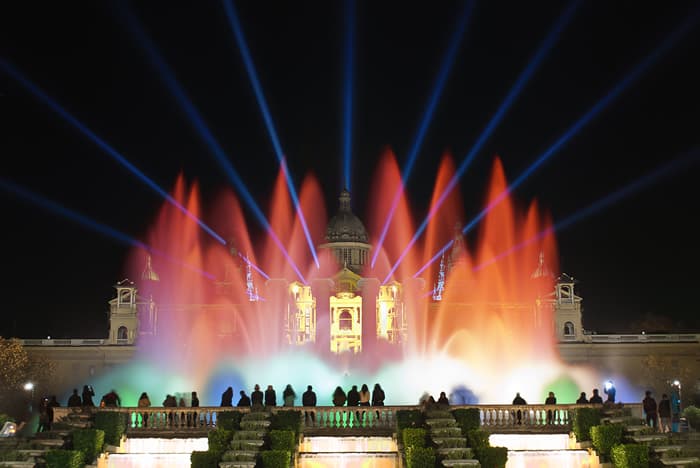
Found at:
[494, 418]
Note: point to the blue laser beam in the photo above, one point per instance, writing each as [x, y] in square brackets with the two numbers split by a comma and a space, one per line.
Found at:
[201, 128]
[254, 266]
[655, 176]
[438, 87]
[348, 69]
[15, 74]
[91, 224]
[542, 51]
[267, 117]
[593, 112]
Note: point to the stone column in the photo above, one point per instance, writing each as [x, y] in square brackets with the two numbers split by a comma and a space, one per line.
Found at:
[369, 288]
[322, 289]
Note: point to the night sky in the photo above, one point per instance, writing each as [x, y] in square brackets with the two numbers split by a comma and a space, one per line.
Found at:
[635, 259]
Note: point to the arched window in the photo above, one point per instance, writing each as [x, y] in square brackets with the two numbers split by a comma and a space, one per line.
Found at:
[568, 329]
[345, 320]
[122, 333]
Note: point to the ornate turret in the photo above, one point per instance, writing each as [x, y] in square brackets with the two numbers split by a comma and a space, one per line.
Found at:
[347, 237]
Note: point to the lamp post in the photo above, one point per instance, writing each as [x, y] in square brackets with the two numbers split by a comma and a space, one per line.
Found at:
[29, 386]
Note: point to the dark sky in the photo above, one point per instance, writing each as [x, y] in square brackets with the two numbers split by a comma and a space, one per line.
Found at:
[637, 257]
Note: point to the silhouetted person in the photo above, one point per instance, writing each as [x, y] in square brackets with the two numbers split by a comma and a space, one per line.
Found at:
[551, 400]
[227, 397]
[256, 398]
[288, 396]
[582, 400]
[595, 398]
[88, 393]
[377, 395]
[52, 403]
[339, 397]
[243, 401]
[665, 414]
[308, 399]
[442, 400]
[144, 402]
[192, 419]
[650, 410]
[353, 396]
[43, 415]
[610, 391]
[74, 399]
[518, 400]
[170, 402]
[365, 396]
[270, 396]
[112, 399]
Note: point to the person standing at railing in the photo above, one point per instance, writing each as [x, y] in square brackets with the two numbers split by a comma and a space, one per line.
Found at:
[270, 397]
[227, 397]
[256, 398]
[88, 393]
[378, 397]
[243, 401]
[364, 399]
[650, 410]
[665, 414]
[74, 399]
[551, 400]
[308, 399]
[144, 402]
[443, 400]
[288, 395]
[339, 397]
[596, 399]
[195, 404]
[518, 400]
[582, 400]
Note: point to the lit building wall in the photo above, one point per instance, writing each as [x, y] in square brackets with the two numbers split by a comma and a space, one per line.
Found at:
[301, 315]
[346, 322]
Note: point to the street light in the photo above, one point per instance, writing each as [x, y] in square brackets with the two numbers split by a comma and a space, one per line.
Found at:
[29, 386]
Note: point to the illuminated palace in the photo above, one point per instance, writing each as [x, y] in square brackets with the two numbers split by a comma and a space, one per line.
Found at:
[338, 313]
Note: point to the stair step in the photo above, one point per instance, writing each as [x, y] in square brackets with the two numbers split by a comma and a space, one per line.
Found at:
[463, 462]
[679, 461]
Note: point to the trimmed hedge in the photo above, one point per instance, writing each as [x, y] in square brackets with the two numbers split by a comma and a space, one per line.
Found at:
[204, 459]
[413, 438]
[229, 420]
[288, 420]
[219, 440]
[605, 437]
[584, 419]
[89, 442]
[420, 457]
[13, 455]
[492, 457]
[630, 456]
[64, 459]
[409, 418]
[282, 440]
[113, 424]
[692, 415]
[476, 439]
[275, 458]
[467, 419]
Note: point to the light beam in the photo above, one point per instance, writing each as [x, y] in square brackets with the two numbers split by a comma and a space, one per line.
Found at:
[15, 74]
[348, 69]
[267, 117]
[447, 62]
[202, 130]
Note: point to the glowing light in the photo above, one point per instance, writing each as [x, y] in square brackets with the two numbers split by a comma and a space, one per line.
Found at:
[267, 117]
[608, 385]
[29, 386]
[89, 223]
[520, 83]
[202, 129]
[53, 105]
[439, 85]
[347, 92]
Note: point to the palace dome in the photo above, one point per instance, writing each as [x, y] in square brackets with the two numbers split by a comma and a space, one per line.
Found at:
[345, 226]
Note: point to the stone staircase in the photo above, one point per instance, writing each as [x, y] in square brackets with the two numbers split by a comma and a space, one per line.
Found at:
[247, 442]
[679, 449]
[451, 445]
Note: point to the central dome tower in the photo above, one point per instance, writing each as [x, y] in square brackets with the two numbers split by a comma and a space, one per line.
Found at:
[347, 237]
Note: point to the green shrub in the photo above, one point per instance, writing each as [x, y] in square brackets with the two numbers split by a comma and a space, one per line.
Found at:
[584, 419]
[275, 458]
[467, 419]
[89, 441]
[630, 456]
[13, 455]
[4, 418]
[113, 424]
[229, 420]
[219, 439]
[288, 420]
[413, 437]
[409, 418]
[420, 457]
[282, 440]
[476, 438]
[492, 457]
[204, 459]
[64, 459]
[605, 437]
[692, 415]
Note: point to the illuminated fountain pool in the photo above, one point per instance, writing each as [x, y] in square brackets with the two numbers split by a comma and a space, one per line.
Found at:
[348, 452]
[156, 453]
[542, 451]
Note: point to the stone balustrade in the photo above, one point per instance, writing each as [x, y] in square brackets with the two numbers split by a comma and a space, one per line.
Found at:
[494, 418]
